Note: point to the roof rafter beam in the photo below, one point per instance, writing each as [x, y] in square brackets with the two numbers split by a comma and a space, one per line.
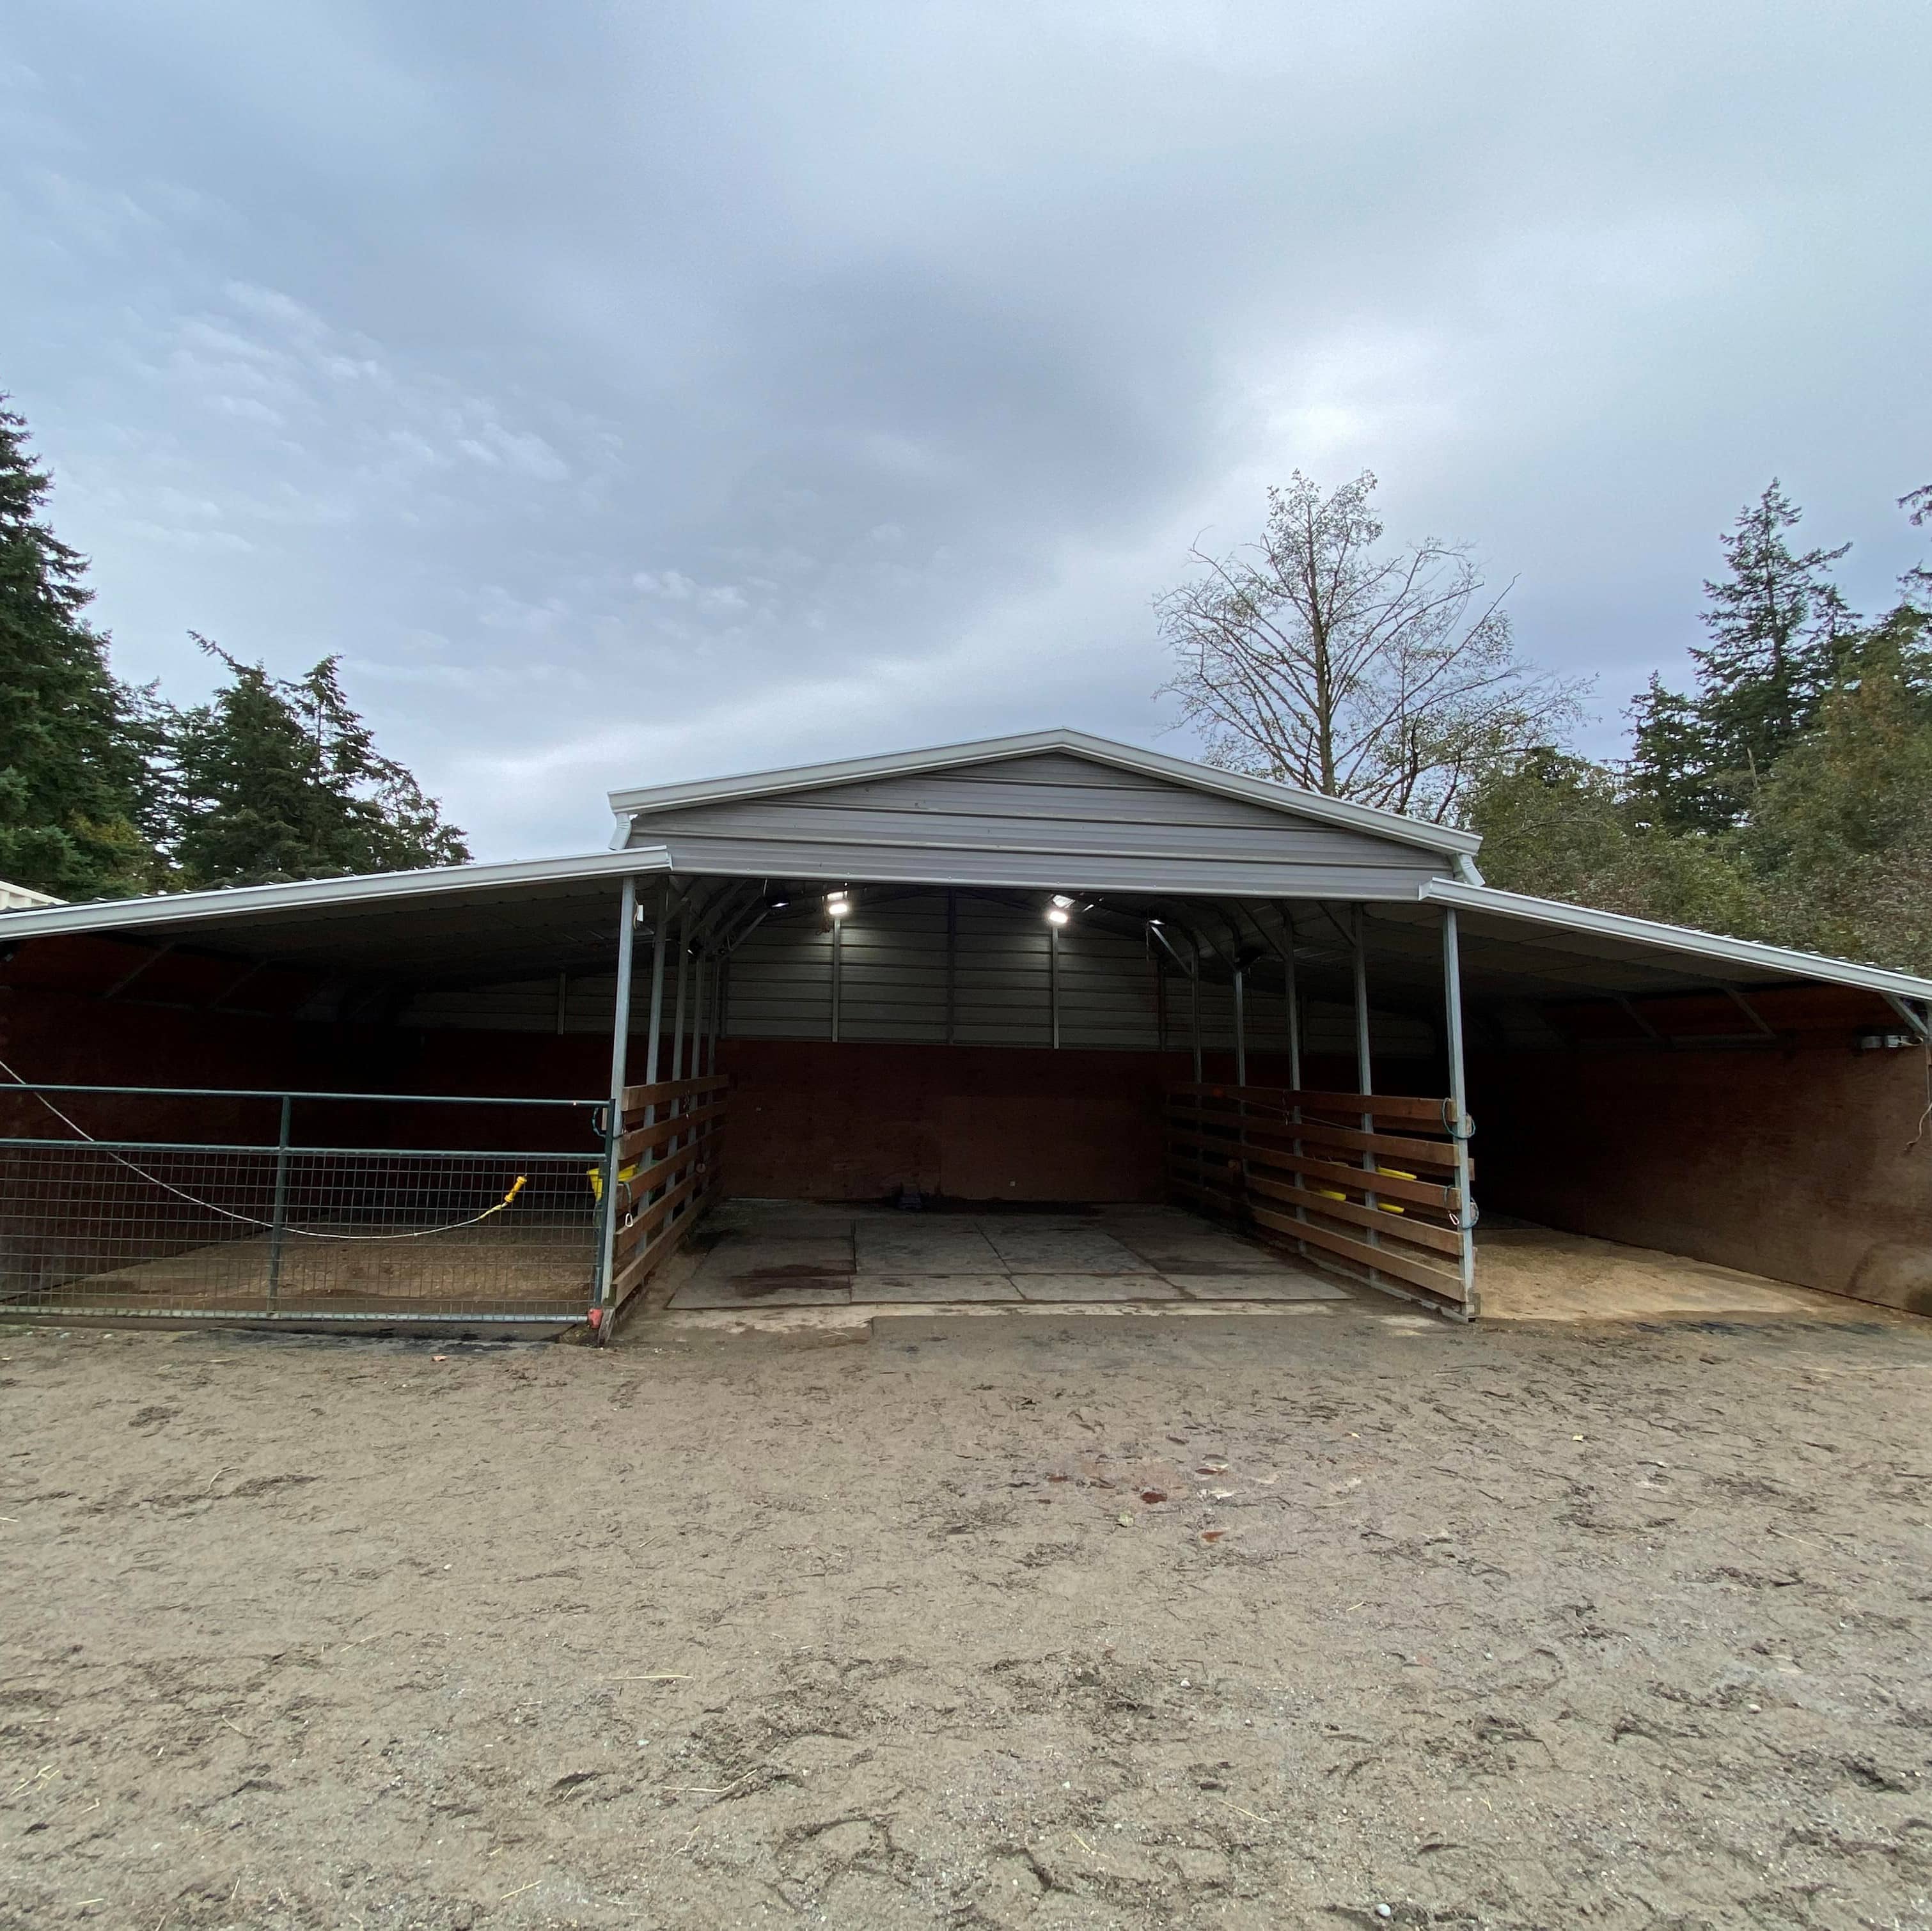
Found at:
[1913, 1016]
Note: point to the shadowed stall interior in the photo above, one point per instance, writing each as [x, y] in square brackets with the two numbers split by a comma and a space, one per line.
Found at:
[959, 1044]
[1804, 1154]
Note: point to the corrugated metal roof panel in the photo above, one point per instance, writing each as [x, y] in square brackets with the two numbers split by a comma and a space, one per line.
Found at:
[909, 865]
[1584, 934]
[1063, 756]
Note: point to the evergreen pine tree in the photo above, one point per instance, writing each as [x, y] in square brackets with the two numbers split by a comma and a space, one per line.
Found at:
[1778, 630]
[1668, 776]
[1842, 838]
[1918, 506]
[73, 775]
[273, 779]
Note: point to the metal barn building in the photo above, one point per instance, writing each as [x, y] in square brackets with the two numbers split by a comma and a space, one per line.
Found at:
[1071, 1000]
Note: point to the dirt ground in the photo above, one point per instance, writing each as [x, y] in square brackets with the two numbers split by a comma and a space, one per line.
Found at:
[1329, 1615]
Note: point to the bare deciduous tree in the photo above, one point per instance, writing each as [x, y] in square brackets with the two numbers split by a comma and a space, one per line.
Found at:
[1315, 659]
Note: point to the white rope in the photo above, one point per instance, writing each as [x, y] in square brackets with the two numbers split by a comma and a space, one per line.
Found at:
[1926, 1114]
[249, 1219]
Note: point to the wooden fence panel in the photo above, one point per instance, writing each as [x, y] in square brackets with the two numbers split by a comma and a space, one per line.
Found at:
[669, 1147]
[1303, 1168]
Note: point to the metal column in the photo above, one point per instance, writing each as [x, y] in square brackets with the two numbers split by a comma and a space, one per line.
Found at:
[837, 973]
[698, 1012]
[1053, 983]
[677, 1021]
[653, 1049]
[1293, 1000]
[613, 1132]
[1364, 1070]
[1194, 993]
[1293, 1007]
[713, 1000]
[279, 1212]
[1458, 1098]
[1241, 1027]
[952, 965]
[657, 986]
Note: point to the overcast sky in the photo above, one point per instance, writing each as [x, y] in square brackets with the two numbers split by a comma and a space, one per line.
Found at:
[632, 393]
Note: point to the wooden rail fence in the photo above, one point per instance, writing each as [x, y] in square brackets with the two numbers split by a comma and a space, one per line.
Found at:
[668, 1162]
[1375, 1186]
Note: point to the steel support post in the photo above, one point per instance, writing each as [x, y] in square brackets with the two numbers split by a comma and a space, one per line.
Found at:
[651, 1045]
[614, 1124]
[1053, 984]
[1241, 1080]
[710, 1036]
[714, 1010]
[1294, 1004]
[677, 1018]
[1364, 1068]
[279, 1212]
[1194, 998]
[1461, 1125]
[837, 973]
[952, 965]
[653, 1049]
[698, 1012]
[1241, 1027]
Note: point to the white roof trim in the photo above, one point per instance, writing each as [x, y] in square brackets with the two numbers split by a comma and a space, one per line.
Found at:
[1285, 798]
[1712, 945]
[323, 894]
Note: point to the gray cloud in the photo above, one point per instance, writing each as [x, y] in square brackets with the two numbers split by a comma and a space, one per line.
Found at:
[631, 393]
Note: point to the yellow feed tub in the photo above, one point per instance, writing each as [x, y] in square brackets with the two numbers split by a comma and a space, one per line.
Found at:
[625, 1175]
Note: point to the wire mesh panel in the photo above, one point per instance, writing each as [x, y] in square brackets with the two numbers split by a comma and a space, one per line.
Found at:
[133, 1227]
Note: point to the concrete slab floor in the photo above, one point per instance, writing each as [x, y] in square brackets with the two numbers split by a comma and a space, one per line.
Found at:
[1096, 1288]
[1273, 1287]
[889, 1290]
[807, 1262]
[730, 1294]
[782, 1254]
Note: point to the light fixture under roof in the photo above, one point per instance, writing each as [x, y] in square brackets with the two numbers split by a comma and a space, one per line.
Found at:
[1060, 899]
[1056, 915]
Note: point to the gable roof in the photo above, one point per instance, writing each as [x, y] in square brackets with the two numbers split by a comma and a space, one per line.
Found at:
[534, 914]
[1290, 800]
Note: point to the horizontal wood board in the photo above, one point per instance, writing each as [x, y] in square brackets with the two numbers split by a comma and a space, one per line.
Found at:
[1241, 1153]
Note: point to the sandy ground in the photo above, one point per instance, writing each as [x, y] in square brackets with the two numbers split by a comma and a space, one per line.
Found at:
[1527, 1272]
[1235, 1620]
[528, 1266]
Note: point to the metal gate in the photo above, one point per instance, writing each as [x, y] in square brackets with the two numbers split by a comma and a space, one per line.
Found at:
[186, 1202]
